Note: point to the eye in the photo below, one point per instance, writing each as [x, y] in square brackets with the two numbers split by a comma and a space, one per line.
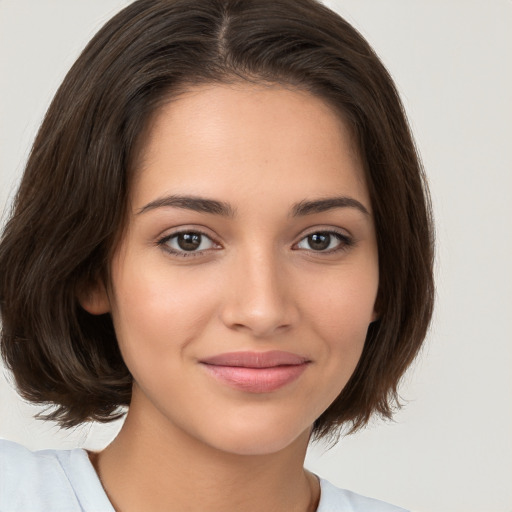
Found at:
[187, 243]
[324, 241]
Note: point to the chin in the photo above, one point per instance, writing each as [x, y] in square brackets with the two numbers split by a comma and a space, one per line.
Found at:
[261, 441]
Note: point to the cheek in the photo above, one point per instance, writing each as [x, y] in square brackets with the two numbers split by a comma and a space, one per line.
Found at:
[158, 312]
[340, 316]
[345, 305]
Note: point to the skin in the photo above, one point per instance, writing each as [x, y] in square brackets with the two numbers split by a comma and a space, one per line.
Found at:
[255, 284]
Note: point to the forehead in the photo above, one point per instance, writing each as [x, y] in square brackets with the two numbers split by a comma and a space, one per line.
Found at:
[218, 139]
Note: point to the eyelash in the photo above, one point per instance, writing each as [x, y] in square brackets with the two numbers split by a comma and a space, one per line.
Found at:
[345, 242]
[164, 241]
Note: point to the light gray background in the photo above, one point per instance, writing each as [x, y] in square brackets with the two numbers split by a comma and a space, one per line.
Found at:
[450, 450]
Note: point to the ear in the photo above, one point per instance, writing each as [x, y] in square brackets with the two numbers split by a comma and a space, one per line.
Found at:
[94, 298]
[377, 309]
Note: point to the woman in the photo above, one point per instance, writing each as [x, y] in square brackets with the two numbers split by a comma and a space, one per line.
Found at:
[223, 225]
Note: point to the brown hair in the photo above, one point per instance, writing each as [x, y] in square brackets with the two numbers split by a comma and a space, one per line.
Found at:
[71, 204]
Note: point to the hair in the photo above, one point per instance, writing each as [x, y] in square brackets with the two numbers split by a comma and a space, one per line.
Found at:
[71, 205]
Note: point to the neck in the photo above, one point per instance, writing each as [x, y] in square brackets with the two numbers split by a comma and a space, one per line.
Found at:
[147, 468]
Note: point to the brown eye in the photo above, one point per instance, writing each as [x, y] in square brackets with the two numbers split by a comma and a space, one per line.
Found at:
[324, 241]
[189, 241]
[319, 241]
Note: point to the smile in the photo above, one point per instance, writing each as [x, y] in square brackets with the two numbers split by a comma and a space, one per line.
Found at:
[256, 372]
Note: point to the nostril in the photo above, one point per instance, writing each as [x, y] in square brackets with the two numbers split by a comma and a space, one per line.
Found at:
[258, 298]
[260, 323]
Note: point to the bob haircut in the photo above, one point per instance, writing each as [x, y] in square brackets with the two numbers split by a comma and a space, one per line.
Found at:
[71, 206]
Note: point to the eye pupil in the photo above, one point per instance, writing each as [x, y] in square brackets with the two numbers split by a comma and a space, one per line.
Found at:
[189, 241]
[319, 241]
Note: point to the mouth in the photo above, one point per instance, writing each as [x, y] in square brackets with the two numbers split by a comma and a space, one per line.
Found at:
[256, 372]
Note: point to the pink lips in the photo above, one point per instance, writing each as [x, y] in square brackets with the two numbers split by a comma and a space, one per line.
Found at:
[256, 372]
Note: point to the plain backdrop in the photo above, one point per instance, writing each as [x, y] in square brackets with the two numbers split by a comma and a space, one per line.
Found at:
[450, 449]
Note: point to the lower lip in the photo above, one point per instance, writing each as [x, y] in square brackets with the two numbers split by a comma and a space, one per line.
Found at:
[256, 380]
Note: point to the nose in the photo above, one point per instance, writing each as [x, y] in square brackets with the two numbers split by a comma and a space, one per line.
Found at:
[259, 298]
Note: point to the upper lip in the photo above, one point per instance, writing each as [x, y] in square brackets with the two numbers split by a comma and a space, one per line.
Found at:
[256, 359]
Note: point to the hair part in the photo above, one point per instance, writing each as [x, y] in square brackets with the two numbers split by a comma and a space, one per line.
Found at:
[71, 207]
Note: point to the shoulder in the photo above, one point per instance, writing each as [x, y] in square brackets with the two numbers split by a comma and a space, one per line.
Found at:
[334, 499]
[57, 480]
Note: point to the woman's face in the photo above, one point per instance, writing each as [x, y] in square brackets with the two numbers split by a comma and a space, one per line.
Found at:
[247, 277]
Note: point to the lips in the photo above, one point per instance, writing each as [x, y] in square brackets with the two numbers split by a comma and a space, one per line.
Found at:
[256, 372]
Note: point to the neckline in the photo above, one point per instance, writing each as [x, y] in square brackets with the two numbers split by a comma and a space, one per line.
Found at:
[91, 460]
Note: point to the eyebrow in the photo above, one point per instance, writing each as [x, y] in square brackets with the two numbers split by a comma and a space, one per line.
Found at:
[322, 205]
[212, 206]
[198, 204]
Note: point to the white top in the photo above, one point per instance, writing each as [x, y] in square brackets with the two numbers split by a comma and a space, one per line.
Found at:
[65, 481]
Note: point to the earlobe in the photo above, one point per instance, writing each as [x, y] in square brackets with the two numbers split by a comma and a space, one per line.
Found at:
[377, 309]
[94, 299]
